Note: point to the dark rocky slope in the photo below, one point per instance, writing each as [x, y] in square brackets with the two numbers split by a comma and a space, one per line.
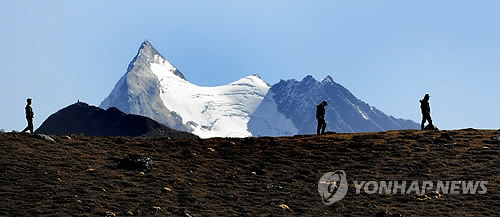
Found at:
[93, 121]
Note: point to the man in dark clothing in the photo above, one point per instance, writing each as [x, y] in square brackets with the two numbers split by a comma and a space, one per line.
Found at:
[426, 111]
[320, 115]
[29, 116]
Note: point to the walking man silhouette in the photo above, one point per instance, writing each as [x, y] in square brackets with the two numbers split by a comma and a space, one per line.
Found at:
[320, 115]
[426, 111]
[29, 116]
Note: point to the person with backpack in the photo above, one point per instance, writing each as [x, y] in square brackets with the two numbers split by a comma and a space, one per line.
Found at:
[29, 116]
[426, 111]
[320, 116]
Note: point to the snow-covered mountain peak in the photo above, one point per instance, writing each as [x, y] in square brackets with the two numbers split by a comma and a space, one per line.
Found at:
[147, 48]
[252, 79]
[148, 56]
[258, 78]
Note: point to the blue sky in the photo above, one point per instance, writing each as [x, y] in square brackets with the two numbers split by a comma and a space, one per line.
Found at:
[388, 53]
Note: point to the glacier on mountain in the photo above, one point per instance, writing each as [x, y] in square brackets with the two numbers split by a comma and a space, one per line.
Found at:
[268, 121]
[153, 87]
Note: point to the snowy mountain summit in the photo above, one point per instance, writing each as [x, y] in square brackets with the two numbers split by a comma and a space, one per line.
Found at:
[155, 88]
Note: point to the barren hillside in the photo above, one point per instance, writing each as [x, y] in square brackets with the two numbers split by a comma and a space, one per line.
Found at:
[79, 176]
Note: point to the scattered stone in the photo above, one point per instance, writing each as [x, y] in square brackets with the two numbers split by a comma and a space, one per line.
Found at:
[67, 137]
[211, 149]
[130, 213]
[90, 169]
[446, 135]
[258, 171]
[496, 139]
[371, 205]
[166, 189]
[156, 208]
[46, 138]
[493, 140]
[140, 173]
[429, 196]
[421, 197]
[284, 207]
[136, 162]
[110, 214]
[275, 188]
[233, 177]
[430, 127]
[435, 194]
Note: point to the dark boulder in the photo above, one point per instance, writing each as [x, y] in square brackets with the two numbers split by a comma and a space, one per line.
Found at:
[430, 127]
[445, 135]
[136, 162]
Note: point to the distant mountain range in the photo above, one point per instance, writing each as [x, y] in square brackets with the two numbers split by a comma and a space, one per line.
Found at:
[155, 88]
[94, 121]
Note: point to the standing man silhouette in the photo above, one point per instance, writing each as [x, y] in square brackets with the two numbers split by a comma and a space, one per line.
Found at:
[426, 111]
[29, 116]
[320, 115]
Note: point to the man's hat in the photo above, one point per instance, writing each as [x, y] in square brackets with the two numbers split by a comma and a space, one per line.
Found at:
[325, 102]
[29, 99]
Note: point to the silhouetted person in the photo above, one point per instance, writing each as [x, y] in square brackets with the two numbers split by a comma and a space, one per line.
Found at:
[29, 116]
[320, 115]
[426, 111]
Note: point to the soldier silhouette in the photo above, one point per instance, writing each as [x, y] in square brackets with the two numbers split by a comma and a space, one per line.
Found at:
[426, 111]
[320, 115]
[29, 116]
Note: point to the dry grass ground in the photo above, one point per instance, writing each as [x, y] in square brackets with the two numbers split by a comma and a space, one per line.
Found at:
[79, 176]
